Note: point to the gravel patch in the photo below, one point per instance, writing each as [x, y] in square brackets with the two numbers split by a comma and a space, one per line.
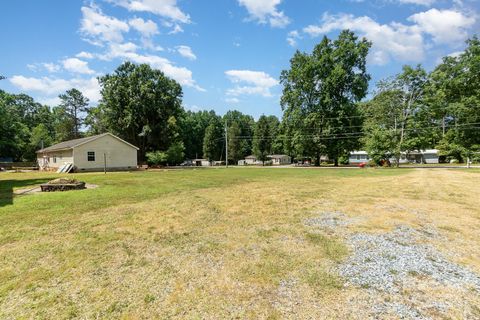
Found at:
[406, 277]
[329, 220]
[385, 261]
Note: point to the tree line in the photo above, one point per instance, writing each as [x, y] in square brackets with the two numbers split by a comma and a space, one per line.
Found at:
[325, 107]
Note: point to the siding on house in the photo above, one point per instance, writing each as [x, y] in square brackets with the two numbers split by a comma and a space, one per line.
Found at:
[118, 154]
[55, 159]
[423, 156]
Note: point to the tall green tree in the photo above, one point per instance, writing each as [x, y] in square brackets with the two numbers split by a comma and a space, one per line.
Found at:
[455, 102]
[20, 114]
[319, 98]
[63, 123]
[246, 125]
[235, 141]
[262, 141]
[213, 140]
[275, 132]
[75, 105]
[193, 126]
[397, 119]
[137, 102]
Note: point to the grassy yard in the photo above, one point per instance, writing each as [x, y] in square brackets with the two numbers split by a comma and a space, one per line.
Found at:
[215, 243]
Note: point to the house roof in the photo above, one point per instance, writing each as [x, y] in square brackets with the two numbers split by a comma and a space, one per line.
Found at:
[251, 157]
[278, 156]
[70, 144]
[360, 152]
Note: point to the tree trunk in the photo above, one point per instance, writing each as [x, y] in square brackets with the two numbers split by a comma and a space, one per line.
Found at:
[397, 158]
[317, 161]
[336, 162]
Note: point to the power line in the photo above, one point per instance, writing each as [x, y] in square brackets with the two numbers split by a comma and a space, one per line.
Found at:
[344, 135]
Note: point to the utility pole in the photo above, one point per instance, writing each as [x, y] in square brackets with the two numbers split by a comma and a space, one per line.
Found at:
[104, 163]
[226, 144]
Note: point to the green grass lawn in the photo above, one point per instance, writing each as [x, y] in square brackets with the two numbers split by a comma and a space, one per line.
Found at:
[187, 243]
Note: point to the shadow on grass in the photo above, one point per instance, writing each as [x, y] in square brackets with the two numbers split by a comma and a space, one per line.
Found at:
[7, 186]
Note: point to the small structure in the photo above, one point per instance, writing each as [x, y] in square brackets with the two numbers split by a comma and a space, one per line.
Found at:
[95, 153]
[422, 156]
[356, 157]
[251, 160]
[201, 163]
[280, 159]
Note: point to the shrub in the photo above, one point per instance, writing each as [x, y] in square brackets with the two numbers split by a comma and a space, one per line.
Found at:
[175, 154]
[156, 158]
[372, 163]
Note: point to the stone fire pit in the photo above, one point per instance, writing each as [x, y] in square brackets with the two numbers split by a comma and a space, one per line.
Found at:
[62, 184]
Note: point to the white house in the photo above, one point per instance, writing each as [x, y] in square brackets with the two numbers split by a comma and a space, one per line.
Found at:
[251, 160]
[90, 154]
[280, 159]
[421, 156]
[201, 163]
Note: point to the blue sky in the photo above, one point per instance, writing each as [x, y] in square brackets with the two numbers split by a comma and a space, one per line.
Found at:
[227, 54]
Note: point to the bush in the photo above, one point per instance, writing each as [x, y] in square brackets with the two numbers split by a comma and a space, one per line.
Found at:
[343, 160]
[156, 158]
[175, 154]
[372, 163]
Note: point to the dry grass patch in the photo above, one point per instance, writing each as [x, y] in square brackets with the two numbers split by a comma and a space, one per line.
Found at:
[206, 244]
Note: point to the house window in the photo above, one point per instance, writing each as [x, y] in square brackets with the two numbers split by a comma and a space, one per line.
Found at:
[54, 159]
[358, 157]
[91, 155]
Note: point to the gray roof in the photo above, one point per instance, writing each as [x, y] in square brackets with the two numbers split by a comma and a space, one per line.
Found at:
[70, 144]
[278, 156]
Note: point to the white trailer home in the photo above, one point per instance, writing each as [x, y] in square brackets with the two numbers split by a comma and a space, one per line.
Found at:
[90, 154]
[280, 159]
[421, 156]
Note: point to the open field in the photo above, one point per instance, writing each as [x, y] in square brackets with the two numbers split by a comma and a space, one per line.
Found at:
[243, 243]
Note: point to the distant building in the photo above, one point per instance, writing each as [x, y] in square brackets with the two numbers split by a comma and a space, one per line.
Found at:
[90, 154]
[280, 159]
[358, 157]
[422, 156]
[201, 163]
[251, 160]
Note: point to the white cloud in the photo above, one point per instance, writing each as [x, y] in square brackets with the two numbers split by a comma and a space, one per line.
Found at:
[292, 38]
[418, 2]
[76, 65]
[99, 28]
[250, 83]
[127, 51]
[84, 55]
[176, 29]
[265, 11]
[232, 100]
[146, 28]
[400, 41]
[186, 51]
[394, 40]
[163, 8]
[52, 87]
[49, 67]
[445, 26]
[456, 54]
